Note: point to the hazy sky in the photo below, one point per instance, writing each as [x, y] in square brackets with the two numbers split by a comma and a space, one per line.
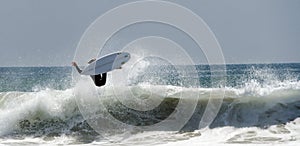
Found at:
[46, 32]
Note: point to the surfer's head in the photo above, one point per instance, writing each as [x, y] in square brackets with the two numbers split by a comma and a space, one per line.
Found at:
[92, 60]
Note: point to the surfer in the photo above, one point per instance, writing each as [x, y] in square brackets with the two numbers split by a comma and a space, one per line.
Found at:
[99, 80]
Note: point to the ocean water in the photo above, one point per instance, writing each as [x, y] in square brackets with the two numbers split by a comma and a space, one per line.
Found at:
[43, 105]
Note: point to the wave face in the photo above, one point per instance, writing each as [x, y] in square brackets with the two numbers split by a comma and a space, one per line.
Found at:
[261, 104]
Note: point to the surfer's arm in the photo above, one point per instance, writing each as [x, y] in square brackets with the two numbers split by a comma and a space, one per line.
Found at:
[76, 66]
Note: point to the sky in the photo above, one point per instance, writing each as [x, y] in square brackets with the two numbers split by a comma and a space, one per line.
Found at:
[46, 32]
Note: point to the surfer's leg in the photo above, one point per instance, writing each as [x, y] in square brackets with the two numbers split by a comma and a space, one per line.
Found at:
[100, 80]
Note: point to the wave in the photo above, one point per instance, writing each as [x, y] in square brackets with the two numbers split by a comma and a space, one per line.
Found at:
[55, 112]
[42, 112]
[255, 97]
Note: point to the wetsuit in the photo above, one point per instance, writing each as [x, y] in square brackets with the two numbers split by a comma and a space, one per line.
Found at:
[99, 80]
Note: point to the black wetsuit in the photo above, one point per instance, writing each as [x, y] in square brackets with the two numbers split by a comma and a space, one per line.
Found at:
[99, 80]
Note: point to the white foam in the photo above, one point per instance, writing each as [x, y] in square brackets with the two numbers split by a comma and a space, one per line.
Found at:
[242, 136]
[17, 106]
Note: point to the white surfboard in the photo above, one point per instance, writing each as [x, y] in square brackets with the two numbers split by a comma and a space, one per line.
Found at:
[106, 63]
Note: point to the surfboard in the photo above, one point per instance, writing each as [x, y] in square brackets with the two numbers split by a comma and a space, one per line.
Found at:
[106, 63]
